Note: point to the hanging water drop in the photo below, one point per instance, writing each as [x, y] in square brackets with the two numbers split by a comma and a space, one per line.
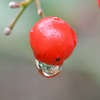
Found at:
[48, 70]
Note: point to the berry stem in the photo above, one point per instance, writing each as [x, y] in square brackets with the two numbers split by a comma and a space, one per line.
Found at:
[39, 9]
[23, 5]
[12, 23]
[14, 20]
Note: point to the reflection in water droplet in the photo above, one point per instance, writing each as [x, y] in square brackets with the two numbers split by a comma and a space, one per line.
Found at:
[47, 70]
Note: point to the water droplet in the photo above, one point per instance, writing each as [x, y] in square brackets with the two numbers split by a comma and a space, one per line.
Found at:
[48, 70]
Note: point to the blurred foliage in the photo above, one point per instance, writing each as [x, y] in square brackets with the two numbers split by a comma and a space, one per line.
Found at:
[82, 15]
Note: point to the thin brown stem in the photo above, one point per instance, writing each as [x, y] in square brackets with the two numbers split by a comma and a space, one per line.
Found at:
[40, 11]
[12, 23]
[23, 5]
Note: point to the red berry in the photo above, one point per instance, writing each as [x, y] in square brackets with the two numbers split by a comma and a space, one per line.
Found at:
[52, 40]
[99, 3]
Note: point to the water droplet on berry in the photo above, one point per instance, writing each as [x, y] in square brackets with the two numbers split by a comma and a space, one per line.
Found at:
[48, 70]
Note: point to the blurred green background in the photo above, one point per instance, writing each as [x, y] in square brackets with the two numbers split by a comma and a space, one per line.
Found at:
[80, 77]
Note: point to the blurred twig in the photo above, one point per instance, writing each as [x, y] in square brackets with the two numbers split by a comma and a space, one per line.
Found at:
[23, 5]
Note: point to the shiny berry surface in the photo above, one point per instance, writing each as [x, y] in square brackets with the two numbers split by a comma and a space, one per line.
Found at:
[52, 40]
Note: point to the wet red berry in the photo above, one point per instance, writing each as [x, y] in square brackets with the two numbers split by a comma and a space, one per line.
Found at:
[52, 40]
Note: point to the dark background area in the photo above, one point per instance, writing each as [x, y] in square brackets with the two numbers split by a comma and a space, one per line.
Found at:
[80, 77]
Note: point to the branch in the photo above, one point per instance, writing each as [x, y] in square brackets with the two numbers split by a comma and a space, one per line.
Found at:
[12, 4]
[39, 9]
[23, 5]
